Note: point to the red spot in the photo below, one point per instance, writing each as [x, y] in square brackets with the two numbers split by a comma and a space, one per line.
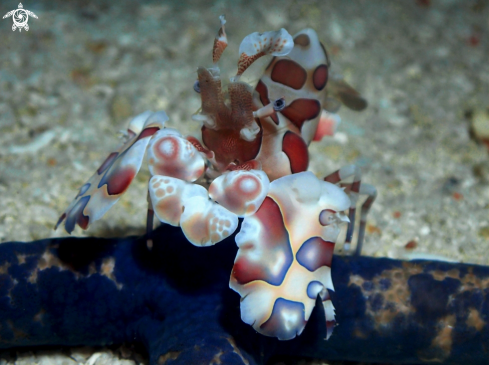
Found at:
[355, 186]
[368, 203]
[333, 178]
[457, 196]
[235, 198]
[119, 181]
[83, 221]
[166, 153]
[326, 126]
[320, 77]
[107, 163]
[248, 194]
[396, 214]
[262, 90]
[474, 40]
[296, 150]
[289, 73]
[148, 132]
[302, 110]
[273, 240]
[411, 245]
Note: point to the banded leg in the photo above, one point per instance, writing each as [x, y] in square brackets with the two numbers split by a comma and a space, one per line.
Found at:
[354, 189]
[113, 177]
[371, 192]
[340, 176]
[149, 223]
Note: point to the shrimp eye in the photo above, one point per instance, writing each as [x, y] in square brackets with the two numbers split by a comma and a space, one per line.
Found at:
[279, 104]
[197, 86]
[327, 217]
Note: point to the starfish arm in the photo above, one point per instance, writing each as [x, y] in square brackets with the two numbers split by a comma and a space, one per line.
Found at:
[176, 301]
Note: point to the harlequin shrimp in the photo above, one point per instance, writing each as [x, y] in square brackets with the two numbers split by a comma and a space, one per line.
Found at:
[252, 155]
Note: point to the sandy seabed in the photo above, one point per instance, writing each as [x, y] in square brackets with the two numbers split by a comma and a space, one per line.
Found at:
[72, 82]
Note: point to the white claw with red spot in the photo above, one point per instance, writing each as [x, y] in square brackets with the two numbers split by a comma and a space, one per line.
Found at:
[284, 258]
[206, 223]
[170, 195]
[242, 192]
[170, 154]
[303, 198]
[184, 204]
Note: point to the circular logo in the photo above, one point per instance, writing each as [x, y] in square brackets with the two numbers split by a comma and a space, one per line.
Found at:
[20, 18]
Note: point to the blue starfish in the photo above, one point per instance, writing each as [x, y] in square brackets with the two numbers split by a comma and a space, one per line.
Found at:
[175, 300]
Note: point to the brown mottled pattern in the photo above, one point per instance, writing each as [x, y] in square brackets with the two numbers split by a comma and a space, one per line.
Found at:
[218, 48]
[229, 147]
[210, 93]
[390, 302]
[396, 298]
[245, 61]
[241, 98]
[50, 260]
